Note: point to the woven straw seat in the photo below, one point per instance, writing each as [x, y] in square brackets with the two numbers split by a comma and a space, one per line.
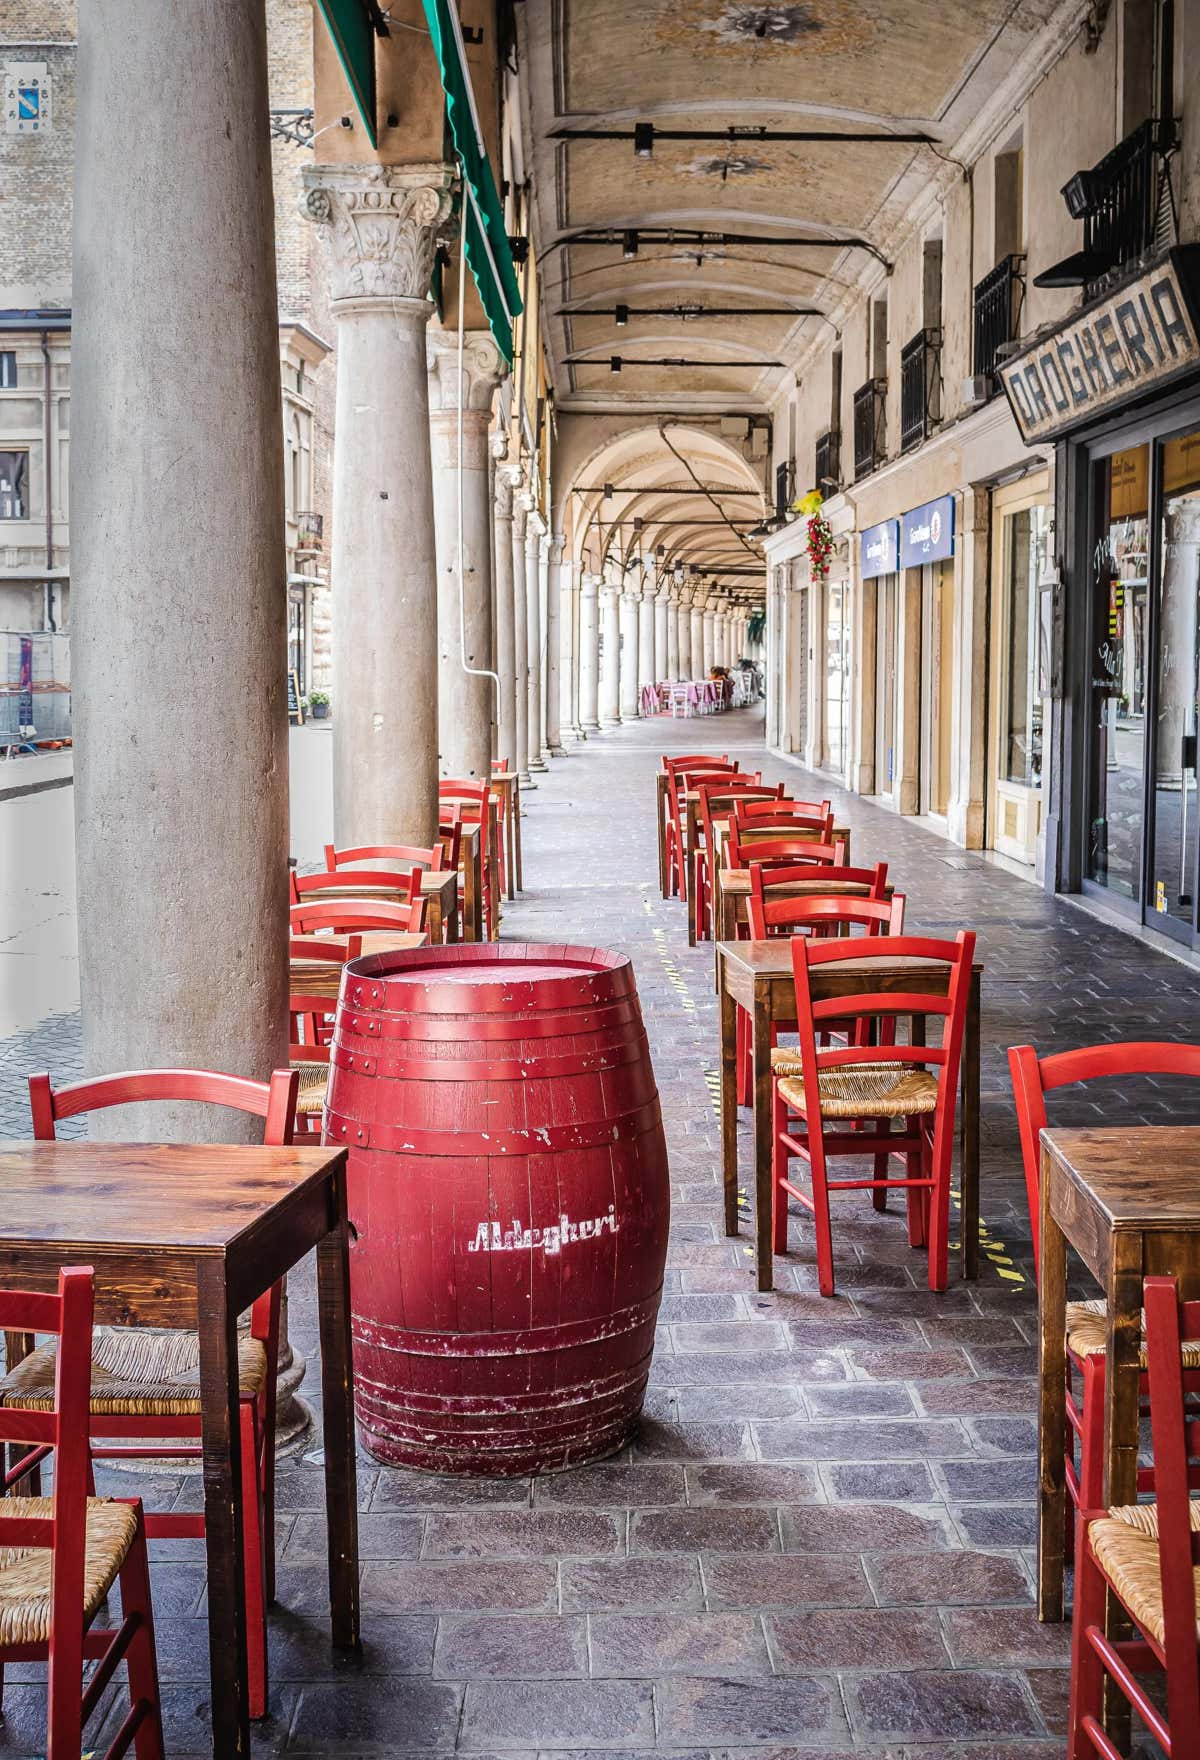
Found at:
[136, 1371]
[1125, 1545]
[314, 1079]
[1087, 1335]
[871, 1090]
[25, 1572]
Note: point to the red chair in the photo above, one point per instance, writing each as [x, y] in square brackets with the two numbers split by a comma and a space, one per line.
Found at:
[681, 778]
[782, 852]
[863, 1082]
[1148, 1556]
[352, 881]
[693, 760]
[408, 855]
[356, 916]
[749, 811]
[61, 1555]
[717, 804]
[774, 917]
[501, 798]
[471, 803]
[1032, 1080]
[164, 1401]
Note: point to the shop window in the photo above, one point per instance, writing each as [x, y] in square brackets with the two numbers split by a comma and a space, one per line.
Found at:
[8, 369]
[1021, 732]
[14, 485]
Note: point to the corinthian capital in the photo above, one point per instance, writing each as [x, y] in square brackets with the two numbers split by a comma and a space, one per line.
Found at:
[483, 367]
[385, 222]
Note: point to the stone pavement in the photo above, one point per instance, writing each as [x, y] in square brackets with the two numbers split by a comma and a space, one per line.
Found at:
[821, 1542]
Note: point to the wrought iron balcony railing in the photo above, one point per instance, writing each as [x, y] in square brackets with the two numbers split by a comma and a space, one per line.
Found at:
[310, 530]
[828, 462]
[920, 387]
[870, 426]
[997, 315]
[1126, 202]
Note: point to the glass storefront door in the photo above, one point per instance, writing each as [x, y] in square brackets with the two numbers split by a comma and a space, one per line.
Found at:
[937, 683]
[887, 609]
[837, 675]
[1020, 657]
[1172, 900]
[1119, 584]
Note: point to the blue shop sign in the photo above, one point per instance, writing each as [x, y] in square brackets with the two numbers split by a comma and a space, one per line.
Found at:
[880, 545]
[927, 533]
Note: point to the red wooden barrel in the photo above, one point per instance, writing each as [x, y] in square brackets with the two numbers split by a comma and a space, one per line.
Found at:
[509, 1193]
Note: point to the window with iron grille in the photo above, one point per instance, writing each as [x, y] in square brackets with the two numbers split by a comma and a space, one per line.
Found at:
[920, 387]
[8, 369]
[785, 487]
[827, 462]
[870, 416]
[1127, 202]
[996, 315]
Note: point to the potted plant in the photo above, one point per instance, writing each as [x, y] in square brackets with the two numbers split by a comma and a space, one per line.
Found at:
[318, 702]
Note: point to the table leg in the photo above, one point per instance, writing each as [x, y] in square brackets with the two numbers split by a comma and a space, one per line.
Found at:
[1052, 1409]
[969, 1159]
[453, 926]
[1122, 1384]
[337, 1404]
[221, 1433]
[516, 813]
[763, 1191]
[510, 847]
[470, 895]
[690, 872]
[729, 1167]
[493, 874]
[660, 800]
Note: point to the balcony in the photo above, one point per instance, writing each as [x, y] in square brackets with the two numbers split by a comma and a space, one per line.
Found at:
[828, 462]
[920, 387]
[997, 316]
[870, 426]
[310, 531]
[1127, 206]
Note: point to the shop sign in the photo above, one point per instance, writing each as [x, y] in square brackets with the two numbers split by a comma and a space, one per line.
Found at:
[880, 549]
[927, 533]
[1134, 340]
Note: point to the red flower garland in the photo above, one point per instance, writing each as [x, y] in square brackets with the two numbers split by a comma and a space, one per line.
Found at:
[820, 545]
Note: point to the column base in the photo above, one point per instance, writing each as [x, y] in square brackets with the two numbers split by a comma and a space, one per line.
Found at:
[586, 727]
[537, 765]
[556, 751]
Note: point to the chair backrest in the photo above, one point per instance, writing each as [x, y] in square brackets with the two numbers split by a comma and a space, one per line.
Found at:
[473, 803]
[917, 996]
[356, 915]
[771, 911]
[718, 801]
[350, 882]
[748, 811]
[62, 1429]
[744, 840]
[782, 852]
[273, 1101]
[410, 855]
[499, 766]
[1175, 1434]
[1033, 1078]
[327, 948]
[697, 761]
[782, 816]
[450, 838]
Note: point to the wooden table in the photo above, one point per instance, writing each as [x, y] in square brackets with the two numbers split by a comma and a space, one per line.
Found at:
[439, 889]
[841, 834]
[757, 976]
[1127, 1199]
[506, 785]
[732, 890]
[471, 869]
[662, 809]
[189, 1235]
[320, 977]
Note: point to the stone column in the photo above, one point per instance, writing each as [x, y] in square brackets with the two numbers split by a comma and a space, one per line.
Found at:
[383, 223]
[662, 617]
[685, 636]
[560, 647]
[629, 655]
[505, 643]
[589, 651]
[521, 637]
[645, 628]
[466, 703]
[708, 658]
[534, 532]
[697, 641]
[673, 614]
[609, 662]
[549, 643]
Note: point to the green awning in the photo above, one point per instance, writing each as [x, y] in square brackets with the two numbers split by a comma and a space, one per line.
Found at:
[351, 24]
[485, 237]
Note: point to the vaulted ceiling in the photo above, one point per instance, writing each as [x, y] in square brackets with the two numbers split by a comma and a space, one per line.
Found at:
[875, 67]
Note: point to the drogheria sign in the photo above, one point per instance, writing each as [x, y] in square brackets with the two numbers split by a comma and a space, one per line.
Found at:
[1135, 339]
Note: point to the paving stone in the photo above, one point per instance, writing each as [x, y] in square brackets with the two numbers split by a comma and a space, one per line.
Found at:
[513, 1645]
[1005, 1635]
[605, 1485]
[425, 1587]
[740, 1335]
[703, 1530]
[751, 1484]
[631, 1646]
[523, 1534]
[397, 1488]
[967, 1397]
[985, 1481]
[905, 1481]
[946, 1578]
[860, 1399]
[710, 1368]
[801, 1712]
[676, 1309]
[669, 1584]
[568, 1714]
[763, 1581]
[892, 1440]
[921, 1705]
[657, 1439]
[379, 1536]
[997, 1524]
[863, 1638]
[773, 1401]
[376, 1716]
[1005, 1435]
[862, 1527]
[927, 1365]
[1051, 1688]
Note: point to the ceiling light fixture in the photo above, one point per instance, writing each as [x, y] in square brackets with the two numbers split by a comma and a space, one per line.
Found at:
[629, 245]
[614, 363]
[621, 314]
[643, 140]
